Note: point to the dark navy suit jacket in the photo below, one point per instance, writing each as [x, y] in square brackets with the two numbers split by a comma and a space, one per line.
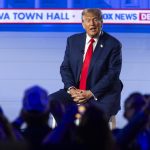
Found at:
[103, 75]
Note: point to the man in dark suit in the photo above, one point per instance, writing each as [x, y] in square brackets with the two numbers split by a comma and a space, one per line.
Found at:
[100, 82]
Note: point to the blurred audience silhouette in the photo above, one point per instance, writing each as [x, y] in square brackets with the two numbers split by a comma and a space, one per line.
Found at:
[135, 135]
[35, 113]
[82, 126]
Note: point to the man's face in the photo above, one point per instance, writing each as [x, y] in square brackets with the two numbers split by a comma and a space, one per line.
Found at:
[91, 24]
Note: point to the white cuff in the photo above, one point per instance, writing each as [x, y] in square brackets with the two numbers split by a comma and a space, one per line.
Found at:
[71, 87]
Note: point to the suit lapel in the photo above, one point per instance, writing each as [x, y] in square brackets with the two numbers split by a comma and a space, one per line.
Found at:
[97, 52]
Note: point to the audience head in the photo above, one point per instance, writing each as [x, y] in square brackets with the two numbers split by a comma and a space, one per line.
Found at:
[6, 130]
[93, 127]
[1, 110]
[36, 99]
[133, 104]
[35, 104]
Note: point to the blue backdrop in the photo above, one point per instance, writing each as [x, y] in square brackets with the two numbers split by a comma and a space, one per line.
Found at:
[111, 4]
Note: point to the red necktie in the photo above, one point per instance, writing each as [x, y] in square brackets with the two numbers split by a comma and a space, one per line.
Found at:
[86, 64]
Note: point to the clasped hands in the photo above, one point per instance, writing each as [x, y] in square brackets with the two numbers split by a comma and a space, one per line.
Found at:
[80, 96]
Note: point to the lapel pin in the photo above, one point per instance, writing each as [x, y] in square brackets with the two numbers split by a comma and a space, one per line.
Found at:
[101, 45]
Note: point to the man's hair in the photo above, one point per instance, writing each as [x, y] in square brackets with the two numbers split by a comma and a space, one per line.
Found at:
[97, 12]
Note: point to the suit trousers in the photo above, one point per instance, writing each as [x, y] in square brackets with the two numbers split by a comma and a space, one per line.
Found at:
[60, 101]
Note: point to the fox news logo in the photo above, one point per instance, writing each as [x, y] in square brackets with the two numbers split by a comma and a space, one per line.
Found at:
[144, 16]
